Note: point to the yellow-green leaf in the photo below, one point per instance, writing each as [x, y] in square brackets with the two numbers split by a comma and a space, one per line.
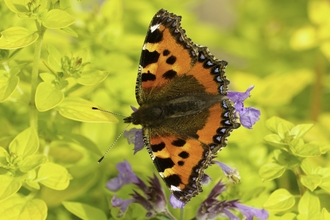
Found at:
[17, 207]
[16, 37]
[48, 96]
[57, 18]
[32, 162]
[24, 144]
[54, 58]
[81, 110]
[309, 206]
[92, 77]
[271, 171]
[9, 186]
[84, 211]
[311, 149]
[16, 6]
[304, 38]
[311, 181]
[54, 176]
[8, 84]
[279, 201]
[69, 31]
[319, 11]
[325, 215]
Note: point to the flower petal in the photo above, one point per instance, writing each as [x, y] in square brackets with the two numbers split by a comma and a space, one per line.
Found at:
[175, 203]
[250, 212]
[134, 136]
[125, 176]
[239, 96]
[121, 203]
[231, 174]
[250, 117]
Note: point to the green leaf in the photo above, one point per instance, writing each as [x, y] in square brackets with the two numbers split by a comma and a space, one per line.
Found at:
[3, 157]
[309, 206]
[279, 126]
[311, 181]
[9, 186]
[306, 150]
[48, 77]
[16, 37]
[54, 176]
[30, 179]
[56, 19]
[275, 140]
[304, 38]
[299, 131]
[325, 184]
[84, 211]
[286, 159]
[32, 162]
[25, 143]
[325, 215]
[92, 77]
[307, 167]
[16, 6]
[81, 110]
[48, 96]
[69, 31]
[8, 84]
[17, 207]
[324, 147]
[289, 216]
[279, 201]
[271, 171]
[318, 12]
[54, 58]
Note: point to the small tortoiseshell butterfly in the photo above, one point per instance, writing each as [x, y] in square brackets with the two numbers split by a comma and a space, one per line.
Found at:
[184, 111]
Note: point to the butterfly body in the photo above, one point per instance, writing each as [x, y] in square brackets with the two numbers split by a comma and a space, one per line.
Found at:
[184, 112]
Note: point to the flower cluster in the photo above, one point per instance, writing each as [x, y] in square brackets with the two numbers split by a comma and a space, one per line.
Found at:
[154, 201]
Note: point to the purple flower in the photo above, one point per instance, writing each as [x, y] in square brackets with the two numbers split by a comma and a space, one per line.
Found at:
[248, 116]
[153, 199]
[212, 208]
[230, 173]
[249, 212]
[125, 176]
[122, 204]
[175, 203]
[134, 136]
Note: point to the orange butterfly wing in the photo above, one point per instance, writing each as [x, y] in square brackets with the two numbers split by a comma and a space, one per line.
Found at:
[177, 78]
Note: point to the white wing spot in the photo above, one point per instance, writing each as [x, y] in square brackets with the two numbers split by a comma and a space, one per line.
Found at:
[144, 46]
[161, 174]
[175, 188]
[155, 27]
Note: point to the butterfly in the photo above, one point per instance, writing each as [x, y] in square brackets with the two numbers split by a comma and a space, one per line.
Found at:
[185, 114]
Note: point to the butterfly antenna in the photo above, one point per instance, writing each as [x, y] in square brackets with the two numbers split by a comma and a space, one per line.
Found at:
[102, 110]
[113, 144]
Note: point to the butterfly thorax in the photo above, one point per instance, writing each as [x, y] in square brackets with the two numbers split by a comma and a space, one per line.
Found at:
[155, 113]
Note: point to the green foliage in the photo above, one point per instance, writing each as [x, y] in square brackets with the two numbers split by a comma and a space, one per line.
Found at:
[58, 59]
[292, 153]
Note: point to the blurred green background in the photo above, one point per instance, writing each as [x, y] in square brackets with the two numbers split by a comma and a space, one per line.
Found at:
[282, 47]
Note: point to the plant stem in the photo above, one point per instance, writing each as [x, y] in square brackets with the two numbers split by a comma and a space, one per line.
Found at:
[35, 76]
[316, 105]
[302, 189]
